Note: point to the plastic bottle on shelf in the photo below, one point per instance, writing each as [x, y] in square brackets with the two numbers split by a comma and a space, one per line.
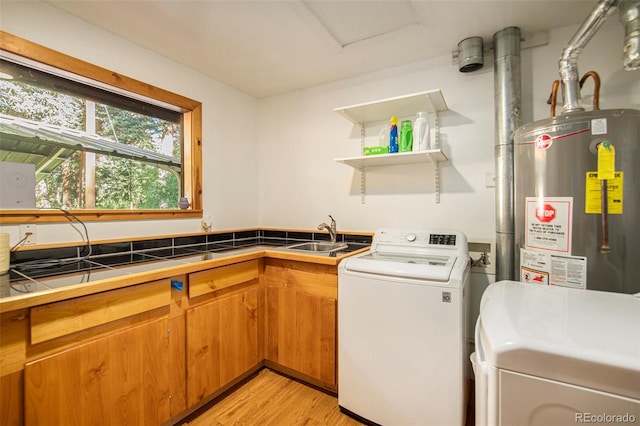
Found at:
[384, 137]
[393, 135]
[406, 136]
[421, 132]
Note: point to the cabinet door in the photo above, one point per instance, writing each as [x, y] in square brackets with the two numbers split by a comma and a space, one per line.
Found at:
[119, 379]
[222, 342]
[301, 319]
[301, 332]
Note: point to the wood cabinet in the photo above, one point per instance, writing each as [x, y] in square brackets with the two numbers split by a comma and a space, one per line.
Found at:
[223, 335]
[69, 316]
[301, 319]
[118, 379]
[14, 334]
[100, 358]
[147, 353]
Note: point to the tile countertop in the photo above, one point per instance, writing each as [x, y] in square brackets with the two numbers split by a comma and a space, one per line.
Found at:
[42, 279]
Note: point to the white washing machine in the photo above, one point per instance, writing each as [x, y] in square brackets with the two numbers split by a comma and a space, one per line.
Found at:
[402, 310]
[550, 355]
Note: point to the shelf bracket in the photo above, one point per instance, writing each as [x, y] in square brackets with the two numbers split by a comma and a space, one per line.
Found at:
[436, 137]
[362, 177]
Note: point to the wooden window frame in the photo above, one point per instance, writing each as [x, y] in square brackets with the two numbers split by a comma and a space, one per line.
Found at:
[191, 111]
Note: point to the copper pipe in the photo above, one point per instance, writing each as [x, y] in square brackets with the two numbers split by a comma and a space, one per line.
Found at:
[553, 97]
[596, 87]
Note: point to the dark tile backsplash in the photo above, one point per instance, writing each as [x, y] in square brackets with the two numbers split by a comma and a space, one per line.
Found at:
[190, 240]
[189, 249]
[220, 237]
[159, 252]
[245, 234]
[110, 248]
[152, 244]
[273, 234]
[54, 253]
[323, 237]
[300, 236]
[363, 239]
[117, 259]
[125, 252]
[246, 242]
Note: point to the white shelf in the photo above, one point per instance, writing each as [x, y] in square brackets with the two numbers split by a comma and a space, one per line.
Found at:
[430, 156]
[430, 101]
[400, 106]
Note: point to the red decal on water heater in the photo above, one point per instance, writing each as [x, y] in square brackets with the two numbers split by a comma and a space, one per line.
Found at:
[543, 141]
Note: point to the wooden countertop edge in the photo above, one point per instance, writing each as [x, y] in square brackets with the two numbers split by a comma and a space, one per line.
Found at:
[14, 303]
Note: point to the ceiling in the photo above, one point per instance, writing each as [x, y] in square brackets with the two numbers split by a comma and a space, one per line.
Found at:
[268, 47]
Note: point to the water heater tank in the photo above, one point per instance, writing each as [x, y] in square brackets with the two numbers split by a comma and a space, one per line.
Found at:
[574, 227]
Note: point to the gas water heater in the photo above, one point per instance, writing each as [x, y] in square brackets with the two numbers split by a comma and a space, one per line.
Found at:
[577, 200]
[577, 178]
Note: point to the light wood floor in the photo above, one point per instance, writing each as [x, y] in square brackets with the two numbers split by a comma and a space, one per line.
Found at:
[272, 399]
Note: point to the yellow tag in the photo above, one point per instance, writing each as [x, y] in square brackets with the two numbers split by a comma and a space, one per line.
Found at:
[606, 160]
[593, 195]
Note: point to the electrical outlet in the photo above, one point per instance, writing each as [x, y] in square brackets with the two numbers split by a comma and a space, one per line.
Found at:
[28, 231]
[489, 179]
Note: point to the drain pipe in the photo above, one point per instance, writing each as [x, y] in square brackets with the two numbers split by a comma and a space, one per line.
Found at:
[568, 63]
[508, 101]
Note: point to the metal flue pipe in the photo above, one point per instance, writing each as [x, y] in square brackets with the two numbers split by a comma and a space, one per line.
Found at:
[630, 18]
[568, 63]
[508, 101]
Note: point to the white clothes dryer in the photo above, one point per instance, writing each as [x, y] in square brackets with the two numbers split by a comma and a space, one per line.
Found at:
[550, 355]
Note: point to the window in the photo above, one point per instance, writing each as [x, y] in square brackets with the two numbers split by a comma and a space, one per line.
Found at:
[102, 145]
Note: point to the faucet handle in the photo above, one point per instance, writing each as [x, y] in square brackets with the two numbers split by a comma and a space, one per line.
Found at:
[332, 219]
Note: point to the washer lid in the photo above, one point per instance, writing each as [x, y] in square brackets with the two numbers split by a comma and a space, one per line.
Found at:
[583, 337]
[429, 267]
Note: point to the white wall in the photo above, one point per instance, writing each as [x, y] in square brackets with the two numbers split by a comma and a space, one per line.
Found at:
[300, 135]
[229, 129]
[269, 162]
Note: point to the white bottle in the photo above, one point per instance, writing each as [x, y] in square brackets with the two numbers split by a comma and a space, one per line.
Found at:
[384, 136]
[421, 132]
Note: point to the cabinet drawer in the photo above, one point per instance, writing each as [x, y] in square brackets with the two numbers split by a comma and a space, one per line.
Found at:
[69, 316]
[215, 279]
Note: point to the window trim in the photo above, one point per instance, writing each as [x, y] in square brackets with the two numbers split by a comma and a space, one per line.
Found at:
[191, 111]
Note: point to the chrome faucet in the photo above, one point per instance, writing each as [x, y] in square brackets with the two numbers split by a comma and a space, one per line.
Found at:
[333, 232]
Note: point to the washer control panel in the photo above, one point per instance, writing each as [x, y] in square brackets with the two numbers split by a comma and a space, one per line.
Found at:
[443, 239]
[408, 240]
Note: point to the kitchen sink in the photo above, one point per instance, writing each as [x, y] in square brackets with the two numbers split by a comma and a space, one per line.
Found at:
[318, 246]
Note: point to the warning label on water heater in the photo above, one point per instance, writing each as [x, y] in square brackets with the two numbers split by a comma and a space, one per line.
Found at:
[593, 195]
[543, 268]
[548, 224]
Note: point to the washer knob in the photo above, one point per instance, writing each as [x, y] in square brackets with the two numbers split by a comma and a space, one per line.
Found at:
[411, 237]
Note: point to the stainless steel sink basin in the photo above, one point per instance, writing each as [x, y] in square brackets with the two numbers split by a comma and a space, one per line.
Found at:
[318, 246]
